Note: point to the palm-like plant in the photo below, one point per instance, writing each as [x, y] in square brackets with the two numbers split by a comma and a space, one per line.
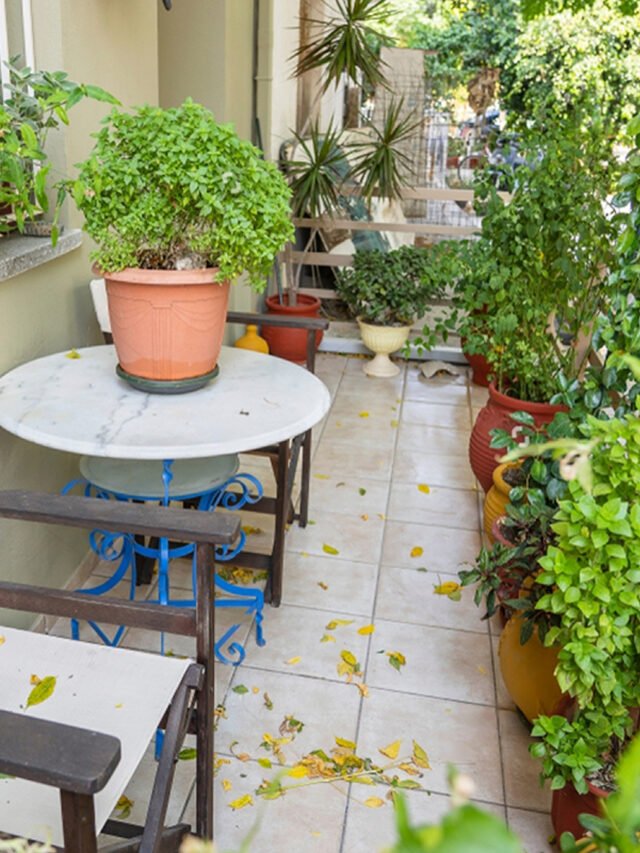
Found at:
[316, 176]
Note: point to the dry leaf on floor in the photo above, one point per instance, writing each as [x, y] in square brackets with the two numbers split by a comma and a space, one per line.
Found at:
[335, 623]
[327, 638]
[255, 690]
[241, 802]
[250, 530]
[364, 690]
[396, 659]
[422, 487]
[394, 424]
[451, 589]
[322, 476]
[323, 585]
[345, 744]
[293, 661]
[366, 629]
[123, 807]
[374, 802]
[420, 756]
[363, 414]
[2, 640]
[362, 492]
[329, 549]
[42, 691]
[392, 750]
[226, 784]
[73, 354]
[364, 516]
[299, 771]
[35, 679]
[267, 702]
[416, 552]
[264, 762]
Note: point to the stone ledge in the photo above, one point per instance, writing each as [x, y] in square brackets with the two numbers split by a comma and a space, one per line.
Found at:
[20, 254]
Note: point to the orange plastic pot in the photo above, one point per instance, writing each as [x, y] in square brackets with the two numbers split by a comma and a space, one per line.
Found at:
[290, 343]
[496, 500]
[567, 804]
[497, 414]
[167, 325]
[528, 670]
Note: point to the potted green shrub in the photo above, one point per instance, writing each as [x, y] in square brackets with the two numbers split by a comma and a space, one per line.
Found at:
[387, 292]
[178, 206]
[37, 102]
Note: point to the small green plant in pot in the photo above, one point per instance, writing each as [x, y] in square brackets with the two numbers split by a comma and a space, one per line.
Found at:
[387, 292]
[173, 197]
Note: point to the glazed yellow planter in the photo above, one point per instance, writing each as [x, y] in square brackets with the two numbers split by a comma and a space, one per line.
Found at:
[496, 499]
[528, 671]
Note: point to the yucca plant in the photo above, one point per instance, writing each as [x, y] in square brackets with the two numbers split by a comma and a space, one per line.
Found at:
[316, 176]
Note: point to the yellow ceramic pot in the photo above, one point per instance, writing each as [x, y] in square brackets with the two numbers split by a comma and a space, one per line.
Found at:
[528, 671]
[252, 340]
[497, 499]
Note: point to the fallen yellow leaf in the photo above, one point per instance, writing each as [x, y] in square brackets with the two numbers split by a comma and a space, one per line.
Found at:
[364, 690]
[381, 516]
[364, 516]
[73, 354]
[392, 750]
[322, 476]
[226, 784]
[293, 661]
[416, 552]
[422, 487]
[327, 638]
[323, 585]
[43, 690]
[264, 762]
[118, 706]
[446, 588]
[336, 623]
[241, 802]
[374, 802]
[2, 640]
[363, 414]
[35, 679]
[366, 629]
[420, 756]
[348, 657]
[124, 806]
[329, 549]
[243, 756]
[255, 690]
[304, 553]
[250, 530]
[299, 771]
[409, 769]
[346, 744]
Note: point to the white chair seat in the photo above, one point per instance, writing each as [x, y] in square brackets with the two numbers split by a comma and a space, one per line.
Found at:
[114, 691]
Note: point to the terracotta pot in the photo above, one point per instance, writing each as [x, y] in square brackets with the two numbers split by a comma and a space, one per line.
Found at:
[290, 343]
[480, 368]
[382, 340]
[496, 414]
[567, 804]
[167, 324]
[496, 500]
[528, 670]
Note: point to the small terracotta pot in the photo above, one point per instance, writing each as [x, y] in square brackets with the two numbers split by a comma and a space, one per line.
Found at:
[167, 325]
[496, 414]
[480, 368]
[290, 343]
[567, 804]
[497, 499]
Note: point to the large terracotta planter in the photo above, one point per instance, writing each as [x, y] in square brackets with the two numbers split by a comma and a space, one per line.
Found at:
[497, 499]
[167, 325]
[382, 340]
[496, 414]
[290, 343]
[567, 804]
[528, 671]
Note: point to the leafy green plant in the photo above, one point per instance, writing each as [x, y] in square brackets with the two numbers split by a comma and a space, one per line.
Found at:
[318, 173]
[165, 187]
[393, 288]
[37, 103]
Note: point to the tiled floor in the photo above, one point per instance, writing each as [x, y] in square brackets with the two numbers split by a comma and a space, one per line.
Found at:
[381, 440]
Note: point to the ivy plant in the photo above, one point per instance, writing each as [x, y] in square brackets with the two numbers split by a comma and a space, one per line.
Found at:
[165, 187]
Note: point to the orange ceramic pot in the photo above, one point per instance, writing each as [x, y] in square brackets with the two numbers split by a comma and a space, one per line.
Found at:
[528, 671]
[496, 500]
[167, 325]
[290, 343]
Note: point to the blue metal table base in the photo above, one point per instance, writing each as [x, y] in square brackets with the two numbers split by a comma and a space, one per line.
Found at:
[122, 548]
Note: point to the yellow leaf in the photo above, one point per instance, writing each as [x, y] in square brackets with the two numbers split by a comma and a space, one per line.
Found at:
[293, 661]
[241, 802]
[250, 530]
[304, 553]
[392, 750]
[344, 668]
[417, 551]
[226, 784]
[409, 769]
[422, 487]
[346, 744]
[35, 679]
[348, 657]
[327, 638]
[329, 549]
[374, 802]
[446, 588]
[264, 762]
[420, 756]
[363, 414]
[255, 690]
[394, 424]
[218, 762]
[2, 640]
[364, 690]
[243, 756]
[322, 476]
[381, 516]
[43, 690]
[118, 706]
[336, 623]
[124, 806]
[322, 585]
[73, 354]
[366, 629]
[364, 516]
[299, 771]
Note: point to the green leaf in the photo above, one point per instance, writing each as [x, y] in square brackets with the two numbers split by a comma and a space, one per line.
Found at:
[241, 689]
[42, 691]
[189, 753]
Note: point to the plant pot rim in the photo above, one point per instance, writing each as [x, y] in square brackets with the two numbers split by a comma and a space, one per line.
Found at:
[597, 791]
[514, 404]
[305, 300]
[362, 322]
[137, 275]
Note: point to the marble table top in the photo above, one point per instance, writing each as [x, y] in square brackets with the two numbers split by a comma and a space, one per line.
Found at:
[80, 405]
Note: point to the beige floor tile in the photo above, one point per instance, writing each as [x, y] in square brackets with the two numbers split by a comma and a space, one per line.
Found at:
[444, 549]
[446, 469]
[409, 594]
[439, 662]
[326, 709]
[308, 818]
[355, 495]
[439, 506]
[451, 733]
[436, 415]
[378, 408]
[346, 461]
[521, 771]
[296, 632]
[366, 388]
[451, 391]
[355, 367]
[503, 699]
[354, 537]
[329, 583]
[533, 829]
[362, 432]
[369, 830]
[433, 439]
[331, 363]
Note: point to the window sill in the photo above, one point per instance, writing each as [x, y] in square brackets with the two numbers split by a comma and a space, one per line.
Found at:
[20, 254]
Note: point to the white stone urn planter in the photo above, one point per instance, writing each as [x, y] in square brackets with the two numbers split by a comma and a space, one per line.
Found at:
[382, 340]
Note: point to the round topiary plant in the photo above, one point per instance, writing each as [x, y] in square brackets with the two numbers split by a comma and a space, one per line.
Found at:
[174, 189]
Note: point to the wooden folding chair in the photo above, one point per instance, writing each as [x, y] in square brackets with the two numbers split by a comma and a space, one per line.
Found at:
[84, 727]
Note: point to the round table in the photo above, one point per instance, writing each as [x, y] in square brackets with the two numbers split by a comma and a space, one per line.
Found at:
[75, 402]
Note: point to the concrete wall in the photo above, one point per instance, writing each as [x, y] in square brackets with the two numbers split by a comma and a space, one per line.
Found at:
[111, 43]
